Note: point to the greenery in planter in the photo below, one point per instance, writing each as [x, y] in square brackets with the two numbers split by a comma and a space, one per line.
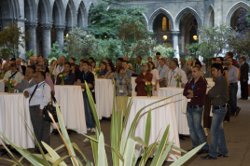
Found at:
[56, 51]
[10, 39]
[123, 147]
[165, 51]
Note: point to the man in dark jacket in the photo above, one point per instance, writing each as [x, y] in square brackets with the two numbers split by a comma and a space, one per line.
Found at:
[219, 97]
[244, 68]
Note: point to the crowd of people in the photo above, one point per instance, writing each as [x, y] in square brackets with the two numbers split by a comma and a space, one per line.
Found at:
[37, 77]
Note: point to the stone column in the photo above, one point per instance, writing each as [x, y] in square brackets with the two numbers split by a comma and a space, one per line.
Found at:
[60, 35]
[175, 36]
[21, 45]
[31, 37]
[46, 39]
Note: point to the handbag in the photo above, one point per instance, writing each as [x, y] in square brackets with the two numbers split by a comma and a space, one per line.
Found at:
[50, 108]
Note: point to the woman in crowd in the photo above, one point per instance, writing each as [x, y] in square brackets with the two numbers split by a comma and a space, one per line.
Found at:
[155, 79]
[110, 71]
[52, 65]
[103, 69]
[142, 79]
[66, 77]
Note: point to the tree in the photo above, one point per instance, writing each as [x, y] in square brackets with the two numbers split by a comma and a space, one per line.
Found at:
[80, 43]
[214, 40]
[124, 24]
[10, 39]
[56, 51]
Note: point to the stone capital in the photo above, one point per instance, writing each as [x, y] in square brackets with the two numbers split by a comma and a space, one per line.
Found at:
[31, 25]
[60, 27]
[46, 26]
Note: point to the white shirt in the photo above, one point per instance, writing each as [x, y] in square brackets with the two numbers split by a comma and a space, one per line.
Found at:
[172, 74]
[58, 69]
[155, 79]
[42, 96]
[163, 71]
[18, 77]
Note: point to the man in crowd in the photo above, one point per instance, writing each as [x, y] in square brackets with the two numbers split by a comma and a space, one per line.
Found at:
[138, 65]
[163, 71]
[233, 86]
[60, 66]
[13, 74]
[20, 67]
[219, 97]
[157, 58]
[84, 74]
[176, 75]
[125, 65]
[196, 91]
[244, 68]
[39, 96]
[27, 81]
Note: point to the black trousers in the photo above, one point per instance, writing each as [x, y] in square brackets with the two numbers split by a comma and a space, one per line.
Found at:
[244, 89]
[41, 127]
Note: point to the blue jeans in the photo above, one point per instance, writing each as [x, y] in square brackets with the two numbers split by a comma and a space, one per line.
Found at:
[233, 88]
[88, 114]
[218, 142]
[197, 134]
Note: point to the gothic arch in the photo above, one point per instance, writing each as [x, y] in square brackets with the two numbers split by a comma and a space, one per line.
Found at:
[58, 13]
[10, 11]
[185, 11]
[70, 14]
[210, 20]
[155, 14]
[233, 9]
[44, 12]
[82, 19]
[30, 11]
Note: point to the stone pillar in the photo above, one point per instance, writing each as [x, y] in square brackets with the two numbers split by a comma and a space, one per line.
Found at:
[31, 37]
[46, 39]
[21, 45]
[175, 36]
[60, 35]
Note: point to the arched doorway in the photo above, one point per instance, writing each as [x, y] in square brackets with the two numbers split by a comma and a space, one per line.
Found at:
[211, 17]
[162, 29]
[188, 31]
[58, 26]
[70, 15]
[9, 12]
[30, 25]
[239, 20]
[82, 16]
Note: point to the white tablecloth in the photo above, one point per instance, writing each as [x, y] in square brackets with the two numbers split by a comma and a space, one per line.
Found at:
[104, 95]
[180, 107]
[161, 118]
[1, 86]
[15, 119]
[70, 99]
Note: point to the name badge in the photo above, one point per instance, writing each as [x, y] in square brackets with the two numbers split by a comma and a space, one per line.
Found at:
[121, 91]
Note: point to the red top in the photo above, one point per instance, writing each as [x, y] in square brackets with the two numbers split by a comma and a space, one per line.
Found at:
[140, 83]
[199, 90]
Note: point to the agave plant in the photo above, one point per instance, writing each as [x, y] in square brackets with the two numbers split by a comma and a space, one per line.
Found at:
[124, 146]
